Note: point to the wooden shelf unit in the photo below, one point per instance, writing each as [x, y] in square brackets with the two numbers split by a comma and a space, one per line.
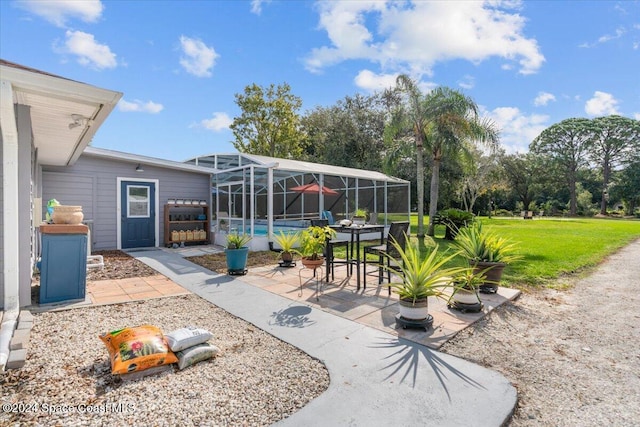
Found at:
[183, 218]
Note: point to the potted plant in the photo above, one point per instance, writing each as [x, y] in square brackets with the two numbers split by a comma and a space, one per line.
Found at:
[465, 287]
[312, 243]
[359, 216]
[453, 220]
[486, 252]
[237, 253]
[287, 242]
[422, 277]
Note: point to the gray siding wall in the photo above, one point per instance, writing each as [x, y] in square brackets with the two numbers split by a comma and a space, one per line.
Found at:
[92, 183]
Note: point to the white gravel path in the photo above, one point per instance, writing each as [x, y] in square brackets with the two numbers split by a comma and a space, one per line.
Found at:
[255, 381]
[574, 355]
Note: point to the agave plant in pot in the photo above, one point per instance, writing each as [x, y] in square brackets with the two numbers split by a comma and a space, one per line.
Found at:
[312, 244]
[421, 277]
[464, 290]
[487, 253]
[287, 243]
[237, 253]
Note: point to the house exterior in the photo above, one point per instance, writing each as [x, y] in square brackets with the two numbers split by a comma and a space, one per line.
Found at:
[103, 182]
[46, 124]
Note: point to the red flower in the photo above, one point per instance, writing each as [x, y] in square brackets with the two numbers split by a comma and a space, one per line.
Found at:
[136, 346]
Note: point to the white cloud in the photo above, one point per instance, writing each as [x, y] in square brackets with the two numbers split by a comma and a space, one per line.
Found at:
[58, 12]
[605, 38]
[256, 6]
[409, 37]
[636, 116]
[219, 122]
[90, 53]
[140, 106]
[517, 130]
[602, 104]
[467, 82]
[198, 58]
[375, 82]
[543, 98]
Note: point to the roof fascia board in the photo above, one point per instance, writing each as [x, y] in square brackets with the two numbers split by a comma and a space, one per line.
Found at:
[135, 158]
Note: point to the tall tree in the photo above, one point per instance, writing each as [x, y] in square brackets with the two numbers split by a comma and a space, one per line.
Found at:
[627, 187]
[615, 142]
[479, 177]
[444, 121]
[564, 145]
[521, 172]
[349, 133]
[269, 124]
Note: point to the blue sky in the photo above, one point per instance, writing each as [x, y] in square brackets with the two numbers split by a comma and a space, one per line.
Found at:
[179, 63]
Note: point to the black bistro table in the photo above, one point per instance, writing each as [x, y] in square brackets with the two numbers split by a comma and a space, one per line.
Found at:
[356, 231]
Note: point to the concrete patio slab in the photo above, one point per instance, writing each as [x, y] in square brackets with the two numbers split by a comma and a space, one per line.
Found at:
[377, 378]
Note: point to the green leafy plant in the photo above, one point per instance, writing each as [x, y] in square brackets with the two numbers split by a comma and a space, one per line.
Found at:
[453, 219]
[361, 212]
[422, 277]
[312, 241]
[477, 244]
[237, 241]
[287, 242]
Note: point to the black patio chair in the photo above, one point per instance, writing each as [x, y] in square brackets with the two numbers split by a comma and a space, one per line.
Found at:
[331, 244]
[398, 232]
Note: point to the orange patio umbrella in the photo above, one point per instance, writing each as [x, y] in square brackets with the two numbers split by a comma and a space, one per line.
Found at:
[314, 188]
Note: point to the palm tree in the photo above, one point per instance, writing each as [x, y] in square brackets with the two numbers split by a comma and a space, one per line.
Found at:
[446, 122]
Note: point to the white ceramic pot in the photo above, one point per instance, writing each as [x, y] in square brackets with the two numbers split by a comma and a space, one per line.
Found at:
[464, 296]
[414, 311]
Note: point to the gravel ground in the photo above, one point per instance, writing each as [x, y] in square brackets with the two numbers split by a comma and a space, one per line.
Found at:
[573, 355]
[255, 380]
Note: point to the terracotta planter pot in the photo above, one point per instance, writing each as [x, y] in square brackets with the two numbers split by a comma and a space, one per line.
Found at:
[312, 263]
[67, 214]
[414, 311]
[286, 256]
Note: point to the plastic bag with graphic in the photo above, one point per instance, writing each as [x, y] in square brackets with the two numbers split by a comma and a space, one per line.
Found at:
[187, 337]
[137, 349]
[50, 204]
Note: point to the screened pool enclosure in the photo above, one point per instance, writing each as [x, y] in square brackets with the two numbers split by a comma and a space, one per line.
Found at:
[258, 195]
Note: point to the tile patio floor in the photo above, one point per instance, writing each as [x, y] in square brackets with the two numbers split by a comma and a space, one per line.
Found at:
[372, 307]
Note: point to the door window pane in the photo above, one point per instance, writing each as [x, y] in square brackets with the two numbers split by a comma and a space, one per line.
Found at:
[138, 202]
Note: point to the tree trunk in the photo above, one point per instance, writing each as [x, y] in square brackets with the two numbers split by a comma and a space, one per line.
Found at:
[420, 187]
[573, 201]
[433, 196]
[606, 172]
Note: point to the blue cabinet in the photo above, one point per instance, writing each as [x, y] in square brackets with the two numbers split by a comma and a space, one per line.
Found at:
[63, 273]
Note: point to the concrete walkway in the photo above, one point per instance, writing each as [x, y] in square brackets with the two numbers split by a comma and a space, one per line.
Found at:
[377, 379]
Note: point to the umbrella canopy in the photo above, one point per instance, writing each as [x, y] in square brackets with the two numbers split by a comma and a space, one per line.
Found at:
[314, 188]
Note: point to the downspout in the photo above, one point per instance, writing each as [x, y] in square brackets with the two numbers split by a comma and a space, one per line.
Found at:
[10, 220]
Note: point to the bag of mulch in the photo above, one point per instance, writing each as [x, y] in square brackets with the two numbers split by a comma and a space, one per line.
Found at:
[137, 349]
[197, 353]
[187, 337]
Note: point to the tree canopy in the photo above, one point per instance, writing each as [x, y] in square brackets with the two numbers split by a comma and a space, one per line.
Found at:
[269, 124]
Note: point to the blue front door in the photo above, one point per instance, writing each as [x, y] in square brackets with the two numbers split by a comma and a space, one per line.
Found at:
[138, 220]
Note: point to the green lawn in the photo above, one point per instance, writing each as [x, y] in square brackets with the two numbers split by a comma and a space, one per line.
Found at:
[553, 247]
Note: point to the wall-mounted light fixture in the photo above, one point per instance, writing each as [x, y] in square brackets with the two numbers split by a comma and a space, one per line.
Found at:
[78, 120]
[139, 168]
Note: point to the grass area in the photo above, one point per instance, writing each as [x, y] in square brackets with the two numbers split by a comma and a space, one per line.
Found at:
[551, 248]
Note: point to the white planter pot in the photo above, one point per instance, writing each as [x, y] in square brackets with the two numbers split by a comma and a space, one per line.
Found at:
[464, 296]
[417, 311]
